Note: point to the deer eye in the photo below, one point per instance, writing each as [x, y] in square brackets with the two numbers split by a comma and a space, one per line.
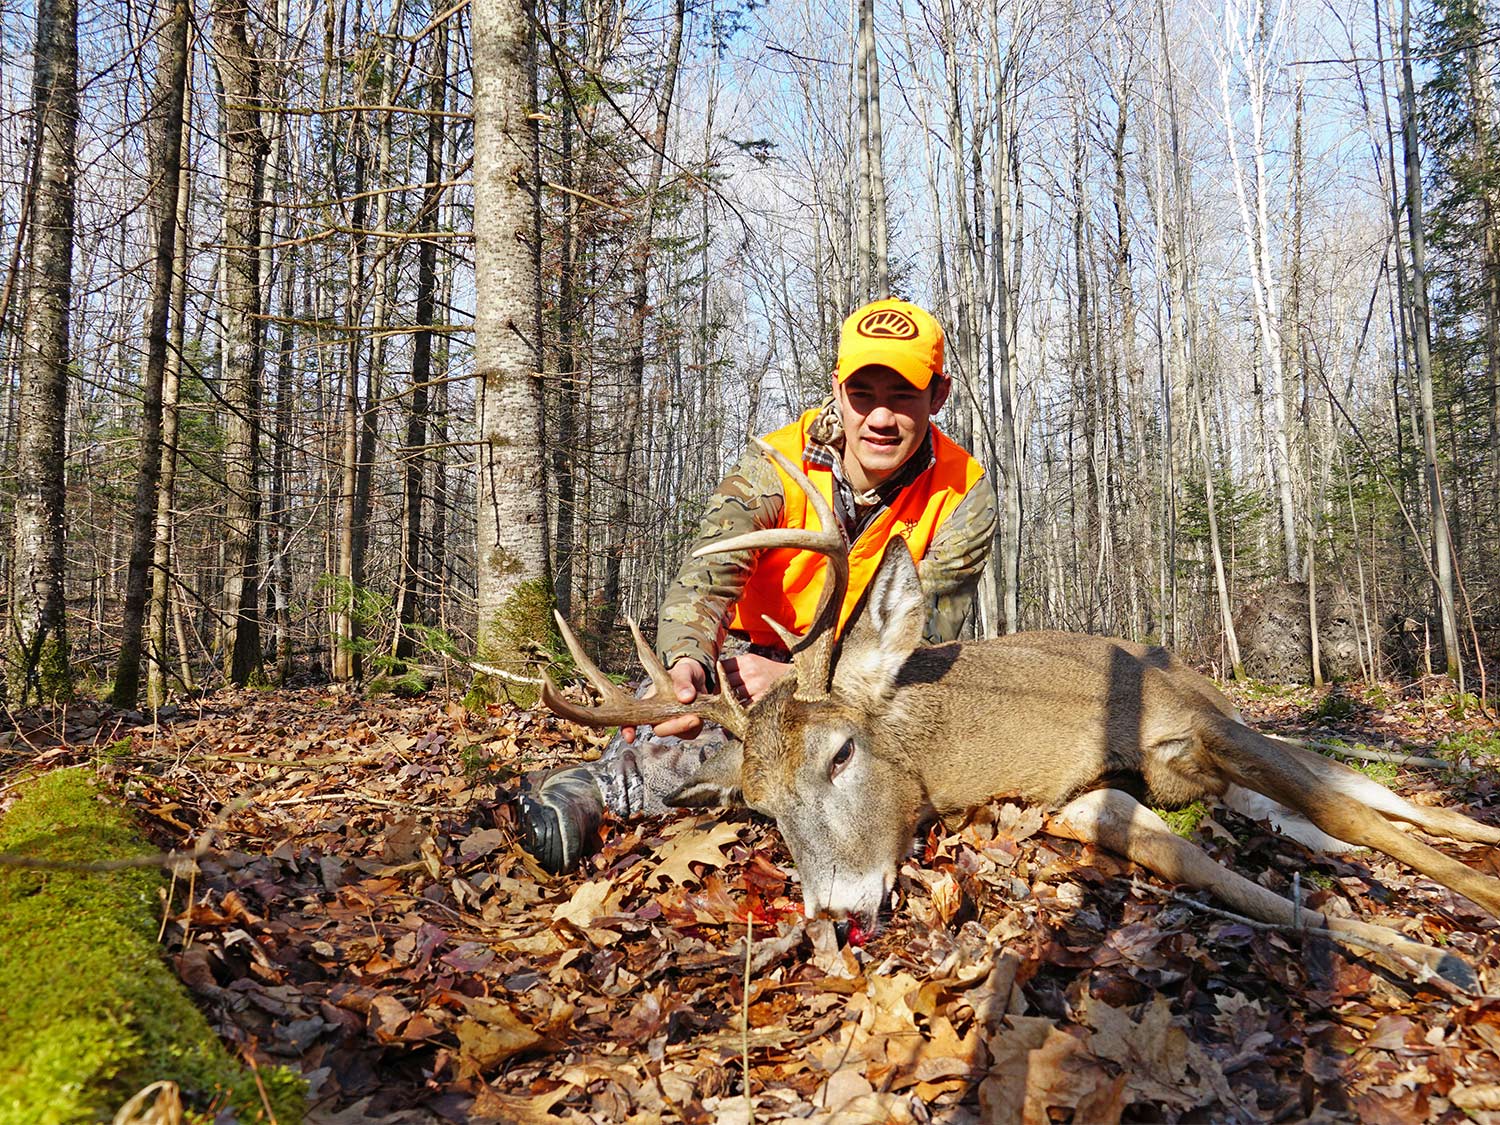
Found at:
[841, 759]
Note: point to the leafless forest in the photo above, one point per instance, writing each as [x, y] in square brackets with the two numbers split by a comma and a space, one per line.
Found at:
[1221, 282]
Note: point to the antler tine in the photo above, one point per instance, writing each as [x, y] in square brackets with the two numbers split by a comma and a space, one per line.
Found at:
[654, 667]
[813, 653]
[788, 638]
[722, 707]
[728, 711]
[617, 708]
[602, 683]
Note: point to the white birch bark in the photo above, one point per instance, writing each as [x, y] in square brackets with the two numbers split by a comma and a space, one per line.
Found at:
[37, 650]
[1249, 40]
[512, 582]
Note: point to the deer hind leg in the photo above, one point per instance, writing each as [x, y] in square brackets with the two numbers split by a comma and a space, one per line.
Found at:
[1437, 821]
[1288, 822]
[1115, 820]
[1252, 760]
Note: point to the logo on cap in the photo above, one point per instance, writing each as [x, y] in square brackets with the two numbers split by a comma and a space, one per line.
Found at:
[888, 324]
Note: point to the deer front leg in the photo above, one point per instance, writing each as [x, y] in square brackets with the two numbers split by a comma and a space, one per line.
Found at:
[1115, 820]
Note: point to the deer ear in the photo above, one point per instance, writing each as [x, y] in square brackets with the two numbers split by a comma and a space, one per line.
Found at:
[886, 628]
[717, 782]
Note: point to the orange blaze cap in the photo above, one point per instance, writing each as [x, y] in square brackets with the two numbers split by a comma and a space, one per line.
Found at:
[894, 334]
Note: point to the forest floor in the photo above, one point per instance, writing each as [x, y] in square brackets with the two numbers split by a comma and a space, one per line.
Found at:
[365, 914]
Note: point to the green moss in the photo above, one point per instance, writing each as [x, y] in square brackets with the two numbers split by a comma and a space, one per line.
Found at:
[407, 685]
[54, 672]
[51, 678]
[1459, 704]
[518, 637]
[1184, 821]
[117, 750]
[1335, 706]
[1469, 744]
[89, 1013]
[479, 696]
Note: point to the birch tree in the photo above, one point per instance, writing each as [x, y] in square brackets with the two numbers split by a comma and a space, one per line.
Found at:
[1252, 37]
[513, 595]
[37, 667]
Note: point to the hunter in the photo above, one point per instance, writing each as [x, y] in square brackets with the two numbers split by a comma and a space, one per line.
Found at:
[872, 449]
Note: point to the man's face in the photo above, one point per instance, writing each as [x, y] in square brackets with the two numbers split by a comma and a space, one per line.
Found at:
[885, 419]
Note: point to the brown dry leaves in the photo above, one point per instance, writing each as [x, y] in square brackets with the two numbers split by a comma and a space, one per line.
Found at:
[368, 917]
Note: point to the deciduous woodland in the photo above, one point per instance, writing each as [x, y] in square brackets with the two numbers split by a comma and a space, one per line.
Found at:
[1221, 284]
[342, 341]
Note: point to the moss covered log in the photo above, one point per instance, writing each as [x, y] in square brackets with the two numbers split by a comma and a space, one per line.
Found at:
[89, 1013]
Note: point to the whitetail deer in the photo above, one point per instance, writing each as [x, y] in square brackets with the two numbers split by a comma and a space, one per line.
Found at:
[874, 733]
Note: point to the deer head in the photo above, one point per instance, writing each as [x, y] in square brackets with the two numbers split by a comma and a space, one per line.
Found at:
[830, 752]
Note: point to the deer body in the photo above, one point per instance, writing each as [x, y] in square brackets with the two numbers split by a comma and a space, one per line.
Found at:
[1045, 717]
[874, 734]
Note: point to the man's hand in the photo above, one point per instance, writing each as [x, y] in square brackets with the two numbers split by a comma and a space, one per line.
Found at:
[689, 679]
[751, 676]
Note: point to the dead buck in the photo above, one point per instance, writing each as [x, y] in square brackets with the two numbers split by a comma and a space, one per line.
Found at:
[873, 734]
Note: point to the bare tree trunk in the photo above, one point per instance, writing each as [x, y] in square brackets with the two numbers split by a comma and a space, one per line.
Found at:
[1442, 556]
[1250, 41]
[619, 526]
[1134, 471]
[864, 202]
[438, 554]
[37, 658]
[161, 546]
[513, 594]
[1294, 352]
[166, 164]
[872, 162]
[1088, 389]
[375, 382]
[346, 594]
[564, 444]
[245, 152]
[278, 531]
[414, 581]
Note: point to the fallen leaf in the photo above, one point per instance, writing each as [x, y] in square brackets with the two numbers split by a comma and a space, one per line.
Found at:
[492, 1036]
[677, 856]
[1035, 1069]
[587, 904]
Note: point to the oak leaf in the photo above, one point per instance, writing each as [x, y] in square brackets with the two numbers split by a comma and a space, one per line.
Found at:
[679, 853]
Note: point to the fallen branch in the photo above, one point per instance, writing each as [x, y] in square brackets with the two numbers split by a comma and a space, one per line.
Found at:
[1423, 974]
[380, 802]
[502, 674]
[173, 861]
[1359, 753]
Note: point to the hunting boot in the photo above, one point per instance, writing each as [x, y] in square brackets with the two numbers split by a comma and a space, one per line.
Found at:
[560, 821]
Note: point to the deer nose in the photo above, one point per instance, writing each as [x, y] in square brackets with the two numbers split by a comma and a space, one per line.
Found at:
[841, 930]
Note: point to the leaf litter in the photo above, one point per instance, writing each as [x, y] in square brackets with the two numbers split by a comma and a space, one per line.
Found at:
[366, 914]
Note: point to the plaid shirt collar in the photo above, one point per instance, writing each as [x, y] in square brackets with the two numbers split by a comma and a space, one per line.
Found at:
[857, 510]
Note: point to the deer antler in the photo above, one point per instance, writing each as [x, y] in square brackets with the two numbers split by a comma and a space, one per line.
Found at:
[616, 708]
[812, 654]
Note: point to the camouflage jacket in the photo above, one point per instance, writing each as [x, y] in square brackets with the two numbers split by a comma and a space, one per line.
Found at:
[695, 612]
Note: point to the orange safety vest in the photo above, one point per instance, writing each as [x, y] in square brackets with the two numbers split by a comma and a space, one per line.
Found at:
[786, 583]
